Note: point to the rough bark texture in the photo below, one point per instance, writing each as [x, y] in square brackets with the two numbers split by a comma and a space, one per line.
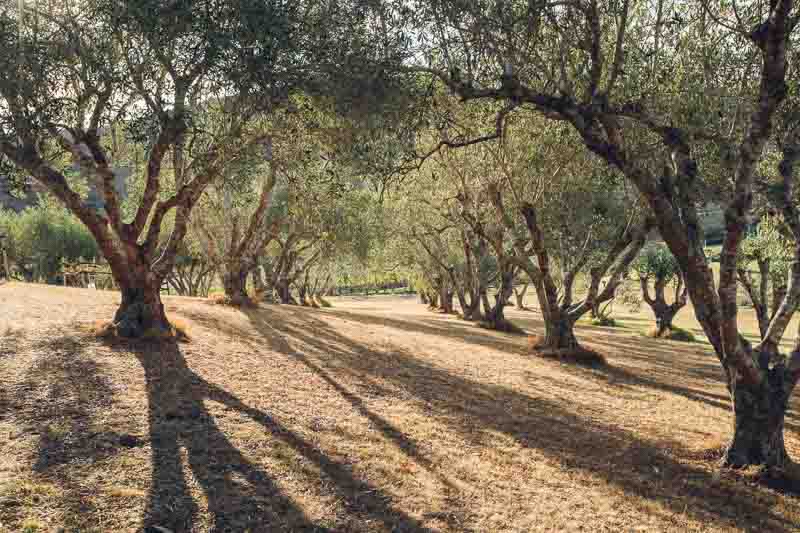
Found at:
[433, 299]
[664, 312]
[494, 316]
[234, 281]
[284, 291]
[519, 297]
[470, 307]
[560, 335]
[141, 310]
[759, 411]
[445, 299]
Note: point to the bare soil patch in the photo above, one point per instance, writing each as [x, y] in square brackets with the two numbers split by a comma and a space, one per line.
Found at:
[373, 415]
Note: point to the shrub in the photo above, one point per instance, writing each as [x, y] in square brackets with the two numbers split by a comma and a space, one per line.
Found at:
[42, 237]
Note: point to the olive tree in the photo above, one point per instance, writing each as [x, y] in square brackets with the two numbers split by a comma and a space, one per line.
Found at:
[188, 79]
[768, 251]
[656, 264]
[684, 103]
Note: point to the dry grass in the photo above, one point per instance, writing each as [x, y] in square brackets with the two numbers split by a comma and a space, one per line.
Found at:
[579, 356]
[672, 334]
[372, 416]
[106, 330]
[222, 299]
[505, 326]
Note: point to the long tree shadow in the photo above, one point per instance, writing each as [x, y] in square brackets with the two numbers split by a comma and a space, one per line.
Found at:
[179, 419]
[664, 363]
[410, 447]
[654, 353]
[639, 467]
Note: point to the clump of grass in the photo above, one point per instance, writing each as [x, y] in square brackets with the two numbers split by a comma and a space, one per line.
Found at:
[106, 330]
[605, 321]
[222, 299]
[710, 449]
[323, 302]
[579, 355]
[672, 334]
[180, 329]
[32, 525]
[126, 492]
[505, 326]
[102, 329]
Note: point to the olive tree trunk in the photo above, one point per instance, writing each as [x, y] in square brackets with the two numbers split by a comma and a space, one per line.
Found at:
[519, 297]
[234, 281]
[494, 315]
[560, 334]
[759, 411]
[664, 312]
[140, 310]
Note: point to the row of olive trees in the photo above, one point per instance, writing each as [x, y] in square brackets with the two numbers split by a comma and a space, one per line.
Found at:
[688, 104]
[194, 88]
[497, 212]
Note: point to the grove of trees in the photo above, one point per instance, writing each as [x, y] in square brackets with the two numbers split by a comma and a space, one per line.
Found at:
[278, 150]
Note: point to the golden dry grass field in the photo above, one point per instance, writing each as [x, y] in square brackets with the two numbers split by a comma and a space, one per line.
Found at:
[374, 415]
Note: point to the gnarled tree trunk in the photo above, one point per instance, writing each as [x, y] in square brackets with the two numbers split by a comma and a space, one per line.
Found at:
[560, 334]
[234, 281]
[495, 317]
[433, 299]
[140, 310]
[445, 299]
[664, 312]
[470, 307]
[759, 411]
[284, 291]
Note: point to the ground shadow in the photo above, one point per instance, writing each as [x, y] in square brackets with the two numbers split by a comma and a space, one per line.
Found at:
[660, 355]
[240, 495]
[57, 401]
[622, 458]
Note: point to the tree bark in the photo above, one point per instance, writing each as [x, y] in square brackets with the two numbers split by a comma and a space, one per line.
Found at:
[664, 317]
[433, 298]
[141, 310]
[560, 334]
[519, 297]
[664, 312]
[445, 299]
[285, 291]
[495, 317]
[258, 280]
[234, 281]
[759, 412]
[470, 308]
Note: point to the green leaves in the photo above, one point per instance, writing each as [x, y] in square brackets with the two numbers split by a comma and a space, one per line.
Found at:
[39, 238]
[768, 243]
[657, 262]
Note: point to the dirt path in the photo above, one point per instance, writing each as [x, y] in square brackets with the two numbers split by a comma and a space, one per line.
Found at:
[376, 415]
